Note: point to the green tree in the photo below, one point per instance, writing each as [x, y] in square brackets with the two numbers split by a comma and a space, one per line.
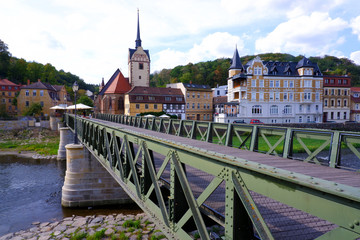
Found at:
[4, 59]
[85, 100]
[3, 113]
[35, 109]
[17, 70]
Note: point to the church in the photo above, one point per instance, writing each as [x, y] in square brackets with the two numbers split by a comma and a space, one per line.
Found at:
[111, 95]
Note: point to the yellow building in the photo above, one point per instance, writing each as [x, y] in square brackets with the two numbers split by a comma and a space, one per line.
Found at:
[154, 99]
[46, 94]
[198, 100]
[8, 92]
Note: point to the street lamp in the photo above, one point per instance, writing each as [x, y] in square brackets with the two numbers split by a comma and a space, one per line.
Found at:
[75, 88]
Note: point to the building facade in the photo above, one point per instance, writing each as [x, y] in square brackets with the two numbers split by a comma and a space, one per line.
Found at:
[276, 92]
[153, 99]
[46, 94]
[336, 98]
[8, 91]
[198, 99]
[355, 104]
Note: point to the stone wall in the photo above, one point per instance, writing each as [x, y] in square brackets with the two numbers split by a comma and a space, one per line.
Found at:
[21, 124]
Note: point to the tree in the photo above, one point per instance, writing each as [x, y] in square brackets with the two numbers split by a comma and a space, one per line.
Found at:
[85, 100]
[34, 110]
[4, 59]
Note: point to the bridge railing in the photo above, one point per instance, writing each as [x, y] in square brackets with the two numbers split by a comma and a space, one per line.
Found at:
[178, 184]
[323, 147]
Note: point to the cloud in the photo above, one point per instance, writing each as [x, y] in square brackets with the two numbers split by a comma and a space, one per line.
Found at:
[213, 46]
[355, 25]
[316, 33]
[355, 56]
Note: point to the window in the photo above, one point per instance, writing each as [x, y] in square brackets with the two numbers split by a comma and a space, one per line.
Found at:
[27, 103]
[317, 107]
[287, 109]
[3, 87]
[345, 81]
[339, 92]
[261, 83]
[9, 94]
[193, 94]
[151, 98]
[9, 100]
[41, 93]
[307, 96]
[253, 95]
[338, 102]
[345, 103]
[345, 92]
[332, 103]
[332, 91]
[257, 70]
[286, 83]
[291, 83]
[344, 115]
[198, 106]
[308, 108]
[357, 106]
[271, 96]
[155, 106]
[188, 95]
[253, 83]
[208, 106]
[165, 106]
[261, 96]
[208, 95]
[339, 81]
[277, 83]
[317, 84]
[42, 103]
[277, 96]
[179, 99]
[204, 105]
[332, 115]
[300, 119]
[285, 96]
[139, 97]
[317, 96]
[218, 92]
[141, 66]
[137, 106]
[291, 96]
[307, 83]
[256, 109]
[300, 108]
[274, 109]
[167, 98]
[34, 93]
[187, 105]
[308, 118]
[193, 105]
[27, 93]
[271, 84]
[326, 80]
[338, 115]
[326, 92]
[146, 106]
[332, 81]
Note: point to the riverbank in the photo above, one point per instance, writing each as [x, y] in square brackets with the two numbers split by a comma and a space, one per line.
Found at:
[115, 226]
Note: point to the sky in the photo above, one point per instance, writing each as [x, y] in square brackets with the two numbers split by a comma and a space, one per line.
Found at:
[91, 38]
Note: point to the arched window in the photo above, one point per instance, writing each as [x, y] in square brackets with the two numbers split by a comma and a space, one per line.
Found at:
[274, 109]
[287, 109]
[256, 109]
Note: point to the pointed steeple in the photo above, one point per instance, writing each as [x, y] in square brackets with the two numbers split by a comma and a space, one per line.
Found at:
[138, 40]
[236, 62]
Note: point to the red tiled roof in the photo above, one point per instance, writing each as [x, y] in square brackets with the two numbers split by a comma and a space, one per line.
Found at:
[155, 91]
[120, 84]
[355, 89]
[7, 82]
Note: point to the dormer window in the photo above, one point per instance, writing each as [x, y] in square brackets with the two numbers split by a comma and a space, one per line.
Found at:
[257, 70]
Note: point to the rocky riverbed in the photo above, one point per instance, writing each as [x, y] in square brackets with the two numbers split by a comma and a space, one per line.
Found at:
[116, 226]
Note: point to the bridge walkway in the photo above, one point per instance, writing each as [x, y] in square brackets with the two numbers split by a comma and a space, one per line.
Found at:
[284, 222]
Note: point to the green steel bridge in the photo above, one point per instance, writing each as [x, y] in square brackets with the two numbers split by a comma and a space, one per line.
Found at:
[256, 182]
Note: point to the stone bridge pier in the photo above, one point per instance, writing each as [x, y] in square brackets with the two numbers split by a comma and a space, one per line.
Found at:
[87, 182]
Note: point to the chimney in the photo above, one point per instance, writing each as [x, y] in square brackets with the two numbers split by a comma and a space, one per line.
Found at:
[28, 82]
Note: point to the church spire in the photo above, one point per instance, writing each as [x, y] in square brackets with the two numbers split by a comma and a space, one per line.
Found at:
[138, 40]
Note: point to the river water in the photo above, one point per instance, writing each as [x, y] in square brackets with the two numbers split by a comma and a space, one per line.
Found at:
[30, 191]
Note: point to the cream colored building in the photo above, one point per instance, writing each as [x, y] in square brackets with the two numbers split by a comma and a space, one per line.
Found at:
[276, 92]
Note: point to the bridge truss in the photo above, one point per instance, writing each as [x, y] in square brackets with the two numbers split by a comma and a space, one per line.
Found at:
[179, 184]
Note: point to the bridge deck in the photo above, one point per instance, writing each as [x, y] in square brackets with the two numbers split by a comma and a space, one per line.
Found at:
[285, 222]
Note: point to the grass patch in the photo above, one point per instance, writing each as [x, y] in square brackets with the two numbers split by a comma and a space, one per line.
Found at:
[97, 235]
[78, 236]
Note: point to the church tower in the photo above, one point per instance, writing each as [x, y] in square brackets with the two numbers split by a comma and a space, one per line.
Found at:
[236, 66]
[139, 62]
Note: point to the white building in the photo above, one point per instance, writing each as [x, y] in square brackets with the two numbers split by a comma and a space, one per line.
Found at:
[276, 92]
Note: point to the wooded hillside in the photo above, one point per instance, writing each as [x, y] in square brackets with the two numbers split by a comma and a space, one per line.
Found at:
[215, 72]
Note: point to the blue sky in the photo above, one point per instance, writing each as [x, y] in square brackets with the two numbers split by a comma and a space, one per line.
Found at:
[91, 38]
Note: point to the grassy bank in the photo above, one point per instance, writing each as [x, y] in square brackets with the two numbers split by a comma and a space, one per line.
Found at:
[39, 140]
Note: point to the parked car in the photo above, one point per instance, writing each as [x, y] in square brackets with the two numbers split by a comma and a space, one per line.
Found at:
[238, 121]
[256, 121]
